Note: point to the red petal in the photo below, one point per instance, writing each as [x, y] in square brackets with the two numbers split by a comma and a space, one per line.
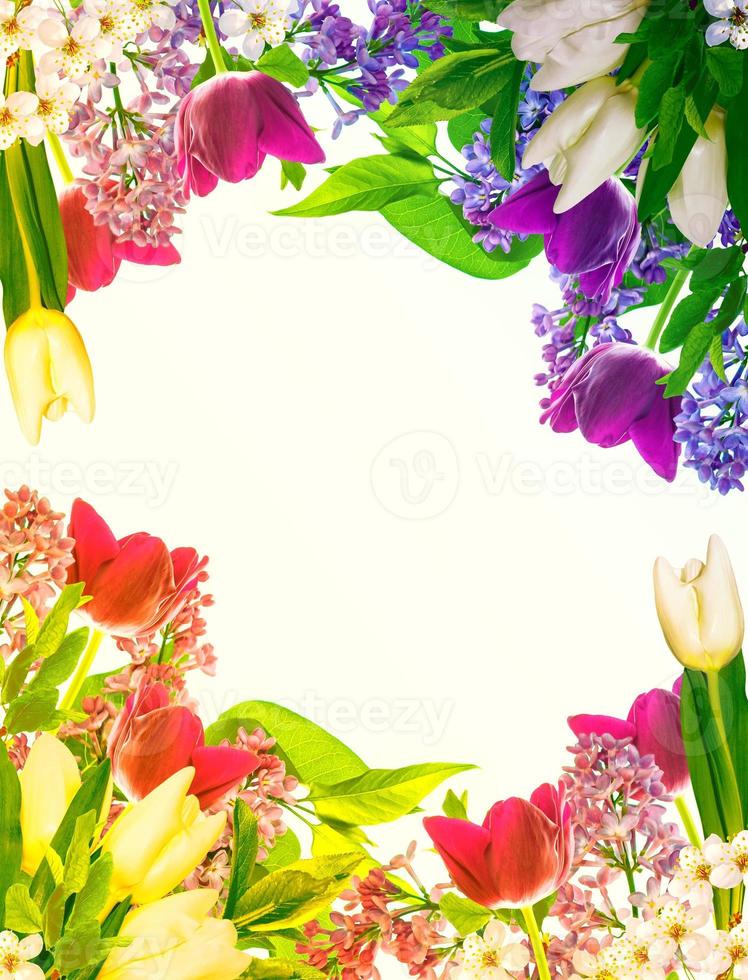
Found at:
[463, 847]
[219, 769]
[158, 744]
[94, 542]
[523, 856]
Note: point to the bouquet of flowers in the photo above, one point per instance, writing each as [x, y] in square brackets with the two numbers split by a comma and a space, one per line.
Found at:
[609, 134]
[135, 842]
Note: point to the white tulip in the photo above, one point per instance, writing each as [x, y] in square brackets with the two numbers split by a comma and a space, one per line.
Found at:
[698, 198]
[588, 138]
[699, 609]
[573, 42]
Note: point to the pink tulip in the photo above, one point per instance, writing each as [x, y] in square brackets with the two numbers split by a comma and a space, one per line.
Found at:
[92, 262]
[521, 854]
[152, 739]
[653, 723]
[226, 127]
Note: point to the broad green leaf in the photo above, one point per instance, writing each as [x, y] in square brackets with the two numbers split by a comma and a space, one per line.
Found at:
[31, 710]
[56, 669]
[463, 128]
[244, 854]
[366, 184]
[717, 267]
[286, 899]
[22, 914]
[78, 859]
[504, 126]
[16, 673]
[285, 851]
[655, 81]
[736, 134]
[691, 311]
[310, 752]
[725, 65]
[55, 626]
[293, 174]
[92, 897]
[30, 620]
[11, 844]
[433, 223]
[455, 806]
[380, 795]
[279, 969]
[691, 356]
[282, 64]
[464, 914]
[475, 10]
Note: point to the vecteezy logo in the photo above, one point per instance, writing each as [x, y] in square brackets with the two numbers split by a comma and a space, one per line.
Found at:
[416, 475]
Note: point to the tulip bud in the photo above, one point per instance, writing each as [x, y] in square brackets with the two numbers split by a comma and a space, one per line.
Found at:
[156, 843]
[49, 781]
[698, 198]
[699, 609]
[177, 937]
[588, 138]
[48, 370]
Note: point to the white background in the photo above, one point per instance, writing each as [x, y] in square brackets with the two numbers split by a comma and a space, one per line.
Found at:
[350, 431]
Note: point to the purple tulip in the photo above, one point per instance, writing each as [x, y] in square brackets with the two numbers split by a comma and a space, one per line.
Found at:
[611, 395]
[653, 723]
[228, 124]
[596, 239]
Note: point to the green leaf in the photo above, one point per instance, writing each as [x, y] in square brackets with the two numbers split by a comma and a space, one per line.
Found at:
[282, 64]
[16, 673]
[655, 81]
[690, 311]
[462, 129]
[474, 10]
[671, 116]
[717, 358]
[11, 844]
[311, 753]
[694, 118]
[464, 914]
[31, 621]
[244, 854]
[22, 914]
[455, 806]
[55, 626]
[736, 135]
[56, 669]
[459, 81]
[379, 795]
[207, 69]
[694, 351]
[93, 896]
[725, 65]
[434, 224]
[366, 184]
[504, 125]
[280, 969]
[717, 267]
[292, 173]
[31, 710]
[29, 196]
[78, 859]
[285, 851]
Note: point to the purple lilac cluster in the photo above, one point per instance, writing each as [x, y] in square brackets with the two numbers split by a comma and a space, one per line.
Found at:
[652, 252]
[378, 56]
[712, 426]
[578, 324]
[621, 832]
[483, 187]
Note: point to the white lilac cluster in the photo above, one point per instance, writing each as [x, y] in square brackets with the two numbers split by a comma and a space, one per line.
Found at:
[67, 49]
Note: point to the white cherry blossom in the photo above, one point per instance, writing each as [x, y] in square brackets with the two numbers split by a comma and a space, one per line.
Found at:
[260, 21]
[17, 118]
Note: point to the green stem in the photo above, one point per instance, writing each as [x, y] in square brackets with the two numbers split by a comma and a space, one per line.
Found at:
[209, 28]
[663, 313]
[82, 670]
[731, 802]
[538, 948]
[60, 159]
[689, 824]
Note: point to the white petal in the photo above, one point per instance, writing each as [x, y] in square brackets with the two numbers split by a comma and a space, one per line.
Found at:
[253, 46]
[725, 876]
[698, 200]
[22, 103]
[718, 32]
[233, 23]
[495, 934]
[515, 957]
[52, 33]
[30, 947]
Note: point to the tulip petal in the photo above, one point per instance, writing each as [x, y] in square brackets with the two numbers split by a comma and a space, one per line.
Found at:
[158, 743]
[528, 210]
[601, 725]
[522, 858]
[218, 769]
[463, 847]
[653, 436]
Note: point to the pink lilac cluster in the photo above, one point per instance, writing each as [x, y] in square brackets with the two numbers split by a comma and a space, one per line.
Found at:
[35, 553]
[621, 833]
[377, 915]
[266, 791]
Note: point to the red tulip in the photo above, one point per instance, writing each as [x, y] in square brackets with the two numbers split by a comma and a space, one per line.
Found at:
[653, 723]
[136, 584]
[521, 854]
[92, 262]
[152, 739]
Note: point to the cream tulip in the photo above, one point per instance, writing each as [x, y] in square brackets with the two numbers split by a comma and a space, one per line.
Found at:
[698, 198]
[157, 842]
[573, 43]
[49, 781]
[699, 609]
[588, 138]
[48, 370]
[177, 937]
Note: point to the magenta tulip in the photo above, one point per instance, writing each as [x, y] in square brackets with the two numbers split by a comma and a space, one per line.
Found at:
[227, 126]
[611, 395]
[521, 853]
[595, 240]
[152, 739]
[653, 724]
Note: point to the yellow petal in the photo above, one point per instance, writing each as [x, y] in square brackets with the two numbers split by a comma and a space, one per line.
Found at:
[49, 781]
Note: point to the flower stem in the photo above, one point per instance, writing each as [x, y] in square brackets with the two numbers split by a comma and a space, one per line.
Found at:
[81, 672]
[689, 824]
[731, 803]
[538, 948]
[60, 159]
[34, 285]
[209, 28]
[665, 309]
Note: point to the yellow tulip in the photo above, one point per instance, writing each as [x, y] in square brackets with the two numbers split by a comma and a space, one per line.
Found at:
[157, 842]
[176, 937]
[49, 781]
[699, 609]
[48, 370]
